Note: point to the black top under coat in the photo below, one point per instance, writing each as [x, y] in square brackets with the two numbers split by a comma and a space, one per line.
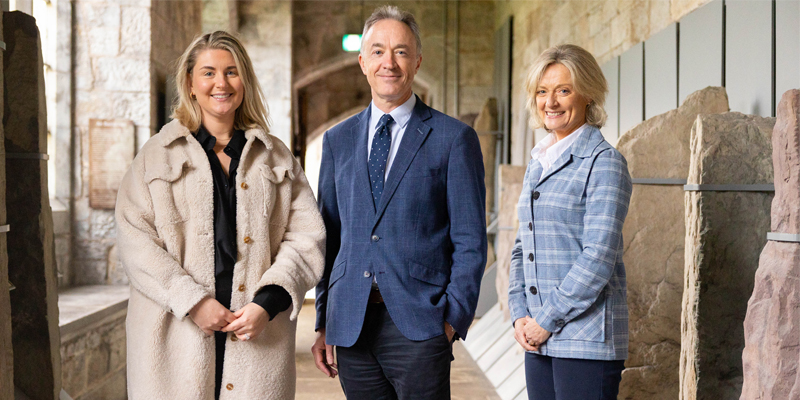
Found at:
[273, 298]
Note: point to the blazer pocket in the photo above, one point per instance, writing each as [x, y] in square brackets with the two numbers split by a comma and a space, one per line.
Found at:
[424, 172]
[428, 275]
[337, 273]
[168, 191]
[589, 326]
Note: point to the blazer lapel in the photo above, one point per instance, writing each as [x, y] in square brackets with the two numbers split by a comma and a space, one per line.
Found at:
[359, 133]
[583, 147]
[414, 136]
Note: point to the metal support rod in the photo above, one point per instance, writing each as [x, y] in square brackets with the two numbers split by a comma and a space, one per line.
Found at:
[783, 237]
[729, 188]
[27, 156]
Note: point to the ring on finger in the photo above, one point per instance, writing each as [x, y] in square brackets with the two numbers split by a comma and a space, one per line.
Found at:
[246, 336]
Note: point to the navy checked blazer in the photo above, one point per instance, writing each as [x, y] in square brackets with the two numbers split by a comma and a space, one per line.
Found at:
[425, 241]
[566, 265]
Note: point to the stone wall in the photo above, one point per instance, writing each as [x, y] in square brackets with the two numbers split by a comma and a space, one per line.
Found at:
[265, 27]
[122, 57]
[604, 28]
[726, 229]
[654, 235]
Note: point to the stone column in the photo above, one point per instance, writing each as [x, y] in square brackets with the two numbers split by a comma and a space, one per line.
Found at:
[725, 232]
[653, 234]
[31, 258]
[771, 356]
[486, 126]
[511, 178]
[6, 352]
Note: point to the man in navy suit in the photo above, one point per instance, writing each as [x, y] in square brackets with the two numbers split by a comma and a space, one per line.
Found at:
[402, 194]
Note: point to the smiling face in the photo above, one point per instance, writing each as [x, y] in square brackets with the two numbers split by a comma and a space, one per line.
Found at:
[217, 86]
[561, 108]
[389, 59]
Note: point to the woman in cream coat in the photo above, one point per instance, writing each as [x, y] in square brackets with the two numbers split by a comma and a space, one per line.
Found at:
[166, 210]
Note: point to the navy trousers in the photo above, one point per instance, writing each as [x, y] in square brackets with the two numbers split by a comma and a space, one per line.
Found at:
[551, 378]
[385, 365]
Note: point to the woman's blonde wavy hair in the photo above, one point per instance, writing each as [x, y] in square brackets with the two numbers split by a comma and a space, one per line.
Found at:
[587, 80]
[252, 113]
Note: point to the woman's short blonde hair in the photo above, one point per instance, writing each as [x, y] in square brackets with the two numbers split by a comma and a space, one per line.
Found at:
[252, 113]
[587, 80]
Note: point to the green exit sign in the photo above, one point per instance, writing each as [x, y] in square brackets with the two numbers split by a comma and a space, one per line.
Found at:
[351, 43]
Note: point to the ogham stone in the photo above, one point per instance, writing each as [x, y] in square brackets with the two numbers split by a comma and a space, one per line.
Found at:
[6, 352]
[653, 235]
[510, 178]
[771, 356]
[725, 232]
[486, 126]
[31, 259]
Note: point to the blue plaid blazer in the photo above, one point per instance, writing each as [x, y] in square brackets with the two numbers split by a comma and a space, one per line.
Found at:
[566, 265]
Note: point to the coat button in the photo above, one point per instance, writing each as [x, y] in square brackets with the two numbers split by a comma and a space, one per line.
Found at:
[530, 226]
[229, 386]
[244, 185]
[530, 257]
[533, 290]
[241, 288]
[375, 238]
[247, 239]
[536, 195]
[367, 274]
[234, 338]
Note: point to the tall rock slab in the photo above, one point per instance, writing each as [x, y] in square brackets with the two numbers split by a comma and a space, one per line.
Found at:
[771, 357]
[31, 258]
[727, 220]
[6, 349]
[511, 178]
[658, 150]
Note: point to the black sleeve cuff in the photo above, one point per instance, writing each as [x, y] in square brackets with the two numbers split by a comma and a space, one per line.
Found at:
[273, 299]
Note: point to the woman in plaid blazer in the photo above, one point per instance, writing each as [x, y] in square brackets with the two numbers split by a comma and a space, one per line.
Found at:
[567, 292]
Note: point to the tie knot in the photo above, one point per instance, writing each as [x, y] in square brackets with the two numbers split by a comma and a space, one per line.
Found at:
[384, 122]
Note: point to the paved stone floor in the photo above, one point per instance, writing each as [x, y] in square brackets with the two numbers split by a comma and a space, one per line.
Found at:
[467, 380]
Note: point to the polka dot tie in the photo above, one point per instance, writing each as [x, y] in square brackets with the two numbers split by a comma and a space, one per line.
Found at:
[378, 156]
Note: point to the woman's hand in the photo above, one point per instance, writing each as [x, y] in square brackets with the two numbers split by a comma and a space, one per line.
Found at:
[250, 322]
[209, 315]
[535, 335]
[519, 333]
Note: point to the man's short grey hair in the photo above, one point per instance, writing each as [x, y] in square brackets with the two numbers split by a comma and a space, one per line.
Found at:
[392, 12]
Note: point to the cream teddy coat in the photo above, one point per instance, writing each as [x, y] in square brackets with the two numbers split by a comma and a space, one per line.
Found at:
[166, 244]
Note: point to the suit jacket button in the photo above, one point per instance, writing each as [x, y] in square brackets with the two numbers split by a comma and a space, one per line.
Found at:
[530, 226]
[560, 323]
[536, 195]
[533, 290]
[375, 238]
[367, 274]
[530, 257]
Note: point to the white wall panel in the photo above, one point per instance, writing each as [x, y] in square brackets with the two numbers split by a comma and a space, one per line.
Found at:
[631, 88]
[787, 47]
[700, 50]
[661, 72]
[611, 71]
[748, 56]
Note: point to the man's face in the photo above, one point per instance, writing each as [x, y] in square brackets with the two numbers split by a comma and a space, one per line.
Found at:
[389, 59]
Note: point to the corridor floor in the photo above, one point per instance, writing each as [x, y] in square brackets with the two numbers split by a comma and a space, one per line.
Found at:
[467, 380]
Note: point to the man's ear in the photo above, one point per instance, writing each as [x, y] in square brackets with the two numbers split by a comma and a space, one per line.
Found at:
[361, 64]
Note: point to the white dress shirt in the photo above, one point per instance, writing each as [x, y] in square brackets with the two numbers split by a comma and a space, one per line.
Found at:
[549, 149]
[401, 116]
